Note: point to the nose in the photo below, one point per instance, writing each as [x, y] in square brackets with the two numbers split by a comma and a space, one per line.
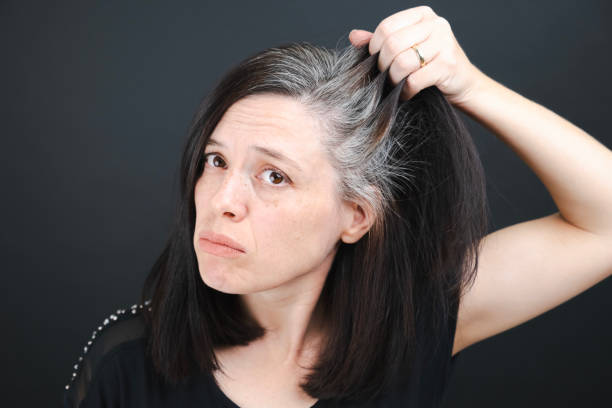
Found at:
[230, 198]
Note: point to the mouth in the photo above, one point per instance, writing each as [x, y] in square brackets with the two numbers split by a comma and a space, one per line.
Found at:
[218, 249]
[219, 243]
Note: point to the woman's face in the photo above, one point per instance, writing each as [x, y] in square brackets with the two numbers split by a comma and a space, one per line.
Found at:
[284, 211]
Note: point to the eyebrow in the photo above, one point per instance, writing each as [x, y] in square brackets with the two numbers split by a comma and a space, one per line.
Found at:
[263, 150]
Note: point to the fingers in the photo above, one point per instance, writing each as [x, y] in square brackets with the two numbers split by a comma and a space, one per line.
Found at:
[407, 61]
[359, 37]
[419, 27]
[401, 40]
[422, 78]
[397, 21]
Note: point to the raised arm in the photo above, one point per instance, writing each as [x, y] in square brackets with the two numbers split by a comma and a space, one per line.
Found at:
[533, 266]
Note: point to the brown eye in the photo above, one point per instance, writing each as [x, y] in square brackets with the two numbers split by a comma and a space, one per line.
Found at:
[216, 159]
[274, 177]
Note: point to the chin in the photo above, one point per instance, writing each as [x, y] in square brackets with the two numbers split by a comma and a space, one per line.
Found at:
[217, 280]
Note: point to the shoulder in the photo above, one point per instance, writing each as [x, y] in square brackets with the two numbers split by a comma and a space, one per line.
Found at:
[118, 329]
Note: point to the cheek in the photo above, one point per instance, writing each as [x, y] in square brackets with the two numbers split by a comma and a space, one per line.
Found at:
[299, 234]
[198, 193]
[202, 192]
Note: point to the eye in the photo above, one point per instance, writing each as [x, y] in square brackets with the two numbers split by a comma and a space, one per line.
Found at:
[275, 177]
[213, 161]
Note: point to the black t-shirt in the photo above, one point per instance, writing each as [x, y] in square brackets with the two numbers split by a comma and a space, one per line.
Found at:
[113, 371]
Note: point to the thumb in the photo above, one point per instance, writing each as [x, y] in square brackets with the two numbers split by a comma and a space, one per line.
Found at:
[360, 37]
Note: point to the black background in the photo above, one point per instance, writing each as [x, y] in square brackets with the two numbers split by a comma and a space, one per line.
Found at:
[95, 104]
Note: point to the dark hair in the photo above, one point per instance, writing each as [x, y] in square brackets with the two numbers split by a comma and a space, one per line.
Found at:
[412, 161]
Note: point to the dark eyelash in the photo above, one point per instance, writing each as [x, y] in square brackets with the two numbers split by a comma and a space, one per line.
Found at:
[288, 180]
[211, 153]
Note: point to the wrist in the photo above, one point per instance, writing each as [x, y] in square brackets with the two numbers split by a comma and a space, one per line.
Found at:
[480, 86]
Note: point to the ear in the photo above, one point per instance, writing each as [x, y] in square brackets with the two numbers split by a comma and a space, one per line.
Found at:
[357, 219]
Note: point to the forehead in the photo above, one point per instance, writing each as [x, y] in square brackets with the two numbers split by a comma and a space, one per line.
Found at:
[270, 120]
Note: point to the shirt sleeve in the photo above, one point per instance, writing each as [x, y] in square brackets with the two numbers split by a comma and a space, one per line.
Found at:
[102, 391]
[94, 381]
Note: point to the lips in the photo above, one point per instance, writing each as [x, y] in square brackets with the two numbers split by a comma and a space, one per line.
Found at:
[221, 239]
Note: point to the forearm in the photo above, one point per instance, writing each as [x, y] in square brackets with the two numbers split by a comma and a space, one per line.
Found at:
[575, 168]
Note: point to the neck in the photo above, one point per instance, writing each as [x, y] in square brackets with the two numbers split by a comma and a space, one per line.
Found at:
[292, 315]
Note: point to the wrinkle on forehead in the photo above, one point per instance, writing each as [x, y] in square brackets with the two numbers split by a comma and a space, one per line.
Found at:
[278, 121]
[282, 113]
[282, 123]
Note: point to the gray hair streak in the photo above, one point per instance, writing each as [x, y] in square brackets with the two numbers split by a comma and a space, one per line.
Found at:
[344, 96]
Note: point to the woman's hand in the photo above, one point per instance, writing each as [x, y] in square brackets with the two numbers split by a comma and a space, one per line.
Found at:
[446, 65]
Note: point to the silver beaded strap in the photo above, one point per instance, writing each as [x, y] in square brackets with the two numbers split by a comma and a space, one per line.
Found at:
[135, 308]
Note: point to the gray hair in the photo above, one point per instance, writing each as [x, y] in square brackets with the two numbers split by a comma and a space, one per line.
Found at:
[391, 292]
[343, 97]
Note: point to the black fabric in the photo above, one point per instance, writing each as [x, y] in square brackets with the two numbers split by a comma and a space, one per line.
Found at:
[114, 372]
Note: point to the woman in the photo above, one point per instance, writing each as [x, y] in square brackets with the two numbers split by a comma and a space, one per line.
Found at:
[329, 247]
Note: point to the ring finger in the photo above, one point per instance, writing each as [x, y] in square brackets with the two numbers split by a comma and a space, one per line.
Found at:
[408, 61]
[399, 41]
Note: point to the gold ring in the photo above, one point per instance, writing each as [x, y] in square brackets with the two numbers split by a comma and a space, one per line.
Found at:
[421, 59]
